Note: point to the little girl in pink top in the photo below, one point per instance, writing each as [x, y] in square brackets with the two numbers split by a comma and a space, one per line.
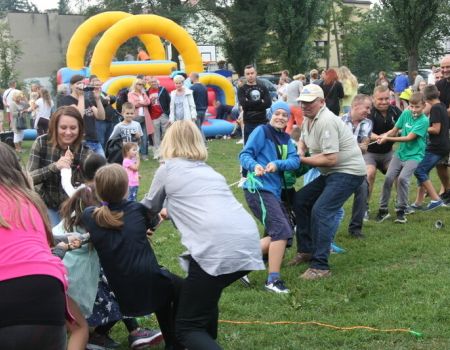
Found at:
[131, 165]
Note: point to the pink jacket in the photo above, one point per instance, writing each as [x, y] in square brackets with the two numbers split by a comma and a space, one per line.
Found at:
[134, 98]
[25, 252]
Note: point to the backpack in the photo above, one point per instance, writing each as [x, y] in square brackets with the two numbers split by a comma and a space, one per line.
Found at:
[113, 150]
[121, 98]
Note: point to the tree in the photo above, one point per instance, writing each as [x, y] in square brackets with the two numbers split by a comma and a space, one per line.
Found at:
[63, 7]
[293, 22]
[17, 6]
[369, 47]
[10, 52]
[245, 28]
[412, 20]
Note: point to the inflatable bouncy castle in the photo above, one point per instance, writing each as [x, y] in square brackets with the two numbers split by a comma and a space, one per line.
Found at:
[117, 27]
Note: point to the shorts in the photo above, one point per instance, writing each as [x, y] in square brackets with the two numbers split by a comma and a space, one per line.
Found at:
[445, 160]
[277, 223]
[18, 136]
[379, 160]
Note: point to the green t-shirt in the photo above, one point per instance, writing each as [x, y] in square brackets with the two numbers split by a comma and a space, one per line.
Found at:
[415, 149]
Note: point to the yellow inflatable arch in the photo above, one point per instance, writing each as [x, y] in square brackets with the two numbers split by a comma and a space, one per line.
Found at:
[80, 40]
[136, 25]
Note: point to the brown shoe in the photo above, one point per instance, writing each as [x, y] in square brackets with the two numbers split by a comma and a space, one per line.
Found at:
[300, 258]
[314, 274]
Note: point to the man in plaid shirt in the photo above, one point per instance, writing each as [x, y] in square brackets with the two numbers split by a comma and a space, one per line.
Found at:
[361, 127]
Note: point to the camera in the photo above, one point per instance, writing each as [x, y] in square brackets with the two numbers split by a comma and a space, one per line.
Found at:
[88, 88]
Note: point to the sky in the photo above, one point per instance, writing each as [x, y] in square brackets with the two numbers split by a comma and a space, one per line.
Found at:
[43, 5]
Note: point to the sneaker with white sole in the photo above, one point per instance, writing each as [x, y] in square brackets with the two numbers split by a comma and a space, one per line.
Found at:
[382, 215]
[143, 337]
[276, 287]
[401, 217]
[245, 281]
[434, 204]
[240, 142]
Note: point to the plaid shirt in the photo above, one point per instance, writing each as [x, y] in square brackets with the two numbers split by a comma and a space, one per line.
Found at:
[362, 131]
[46, 177]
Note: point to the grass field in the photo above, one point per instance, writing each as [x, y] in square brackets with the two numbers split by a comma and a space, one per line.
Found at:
[396, 278]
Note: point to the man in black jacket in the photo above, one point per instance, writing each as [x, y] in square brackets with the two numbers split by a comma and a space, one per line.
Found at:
[254, 99]
[383, 117]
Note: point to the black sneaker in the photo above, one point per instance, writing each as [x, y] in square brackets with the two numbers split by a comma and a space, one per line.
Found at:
[401, 217]
[382, 215]
[142, 338]
[101, 342]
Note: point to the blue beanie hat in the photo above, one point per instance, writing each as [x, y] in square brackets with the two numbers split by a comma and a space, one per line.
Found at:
[280, 105]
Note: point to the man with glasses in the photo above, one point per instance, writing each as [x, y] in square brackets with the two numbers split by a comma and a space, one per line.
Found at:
[335, 152]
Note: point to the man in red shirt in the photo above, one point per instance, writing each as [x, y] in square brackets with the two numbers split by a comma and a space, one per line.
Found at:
[159, 112]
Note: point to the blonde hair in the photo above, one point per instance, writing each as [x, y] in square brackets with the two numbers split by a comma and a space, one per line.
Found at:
[108, 177]
[178, 79]
[183, 140]
[345, 74]
[136, 81]
[18, 96]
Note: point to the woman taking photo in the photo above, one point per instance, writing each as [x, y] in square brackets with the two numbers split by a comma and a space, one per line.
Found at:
[32, 280]
[18, 109]
[182, 105]
[222, 245]
[60, 148]
[138, 97]
[332, 90]
[43, 107]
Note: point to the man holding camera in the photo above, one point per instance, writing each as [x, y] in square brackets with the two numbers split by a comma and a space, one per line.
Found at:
[88, 110]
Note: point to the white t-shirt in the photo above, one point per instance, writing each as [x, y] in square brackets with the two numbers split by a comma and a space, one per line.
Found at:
[43, 109]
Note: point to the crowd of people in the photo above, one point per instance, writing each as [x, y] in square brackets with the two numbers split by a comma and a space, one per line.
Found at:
[74, 242]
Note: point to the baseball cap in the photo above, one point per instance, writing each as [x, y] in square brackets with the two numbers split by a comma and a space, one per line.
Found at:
[310, 92]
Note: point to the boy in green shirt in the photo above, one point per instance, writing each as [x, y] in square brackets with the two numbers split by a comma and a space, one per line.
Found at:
[413, 126]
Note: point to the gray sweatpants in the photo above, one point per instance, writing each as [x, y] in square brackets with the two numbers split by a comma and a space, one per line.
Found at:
[402, 170]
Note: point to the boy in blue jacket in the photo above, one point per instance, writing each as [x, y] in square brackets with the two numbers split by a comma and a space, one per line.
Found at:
[269, 152]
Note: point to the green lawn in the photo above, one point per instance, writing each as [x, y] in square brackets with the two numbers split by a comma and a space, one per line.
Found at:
[395, 278]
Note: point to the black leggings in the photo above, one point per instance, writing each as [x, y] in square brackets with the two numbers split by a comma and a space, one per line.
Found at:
[26, 337]
[198, 310]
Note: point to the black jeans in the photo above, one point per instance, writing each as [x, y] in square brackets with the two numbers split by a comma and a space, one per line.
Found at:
[198, 311]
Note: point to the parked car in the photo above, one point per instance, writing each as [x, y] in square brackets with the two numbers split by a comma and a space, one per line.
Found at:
[270, 86]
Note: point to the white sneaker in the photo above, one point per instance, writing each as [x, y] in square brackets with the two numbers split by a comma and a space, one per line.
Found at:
[241, 182]
[276, 287]
[240, 142]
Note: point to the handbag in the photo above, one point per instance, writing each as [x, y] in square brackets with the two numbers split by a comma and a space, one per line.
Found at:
[21, 120]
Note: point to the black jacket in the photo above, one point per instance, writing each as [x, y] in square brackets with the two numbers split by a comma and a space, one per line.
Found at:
[128, 260]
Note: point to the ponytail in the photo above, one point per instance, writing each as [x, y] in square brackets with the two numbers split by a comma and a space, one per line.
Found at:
[106, 218]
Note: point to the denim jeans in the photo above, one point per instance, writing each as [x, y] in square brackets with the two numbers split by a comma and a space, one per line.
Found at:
[316, 206]
[199, 121]
[95, 147]
[53, 215]
[359, 208]
[104, 129]
[143, 148]
[132, 193]
[425, 166]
